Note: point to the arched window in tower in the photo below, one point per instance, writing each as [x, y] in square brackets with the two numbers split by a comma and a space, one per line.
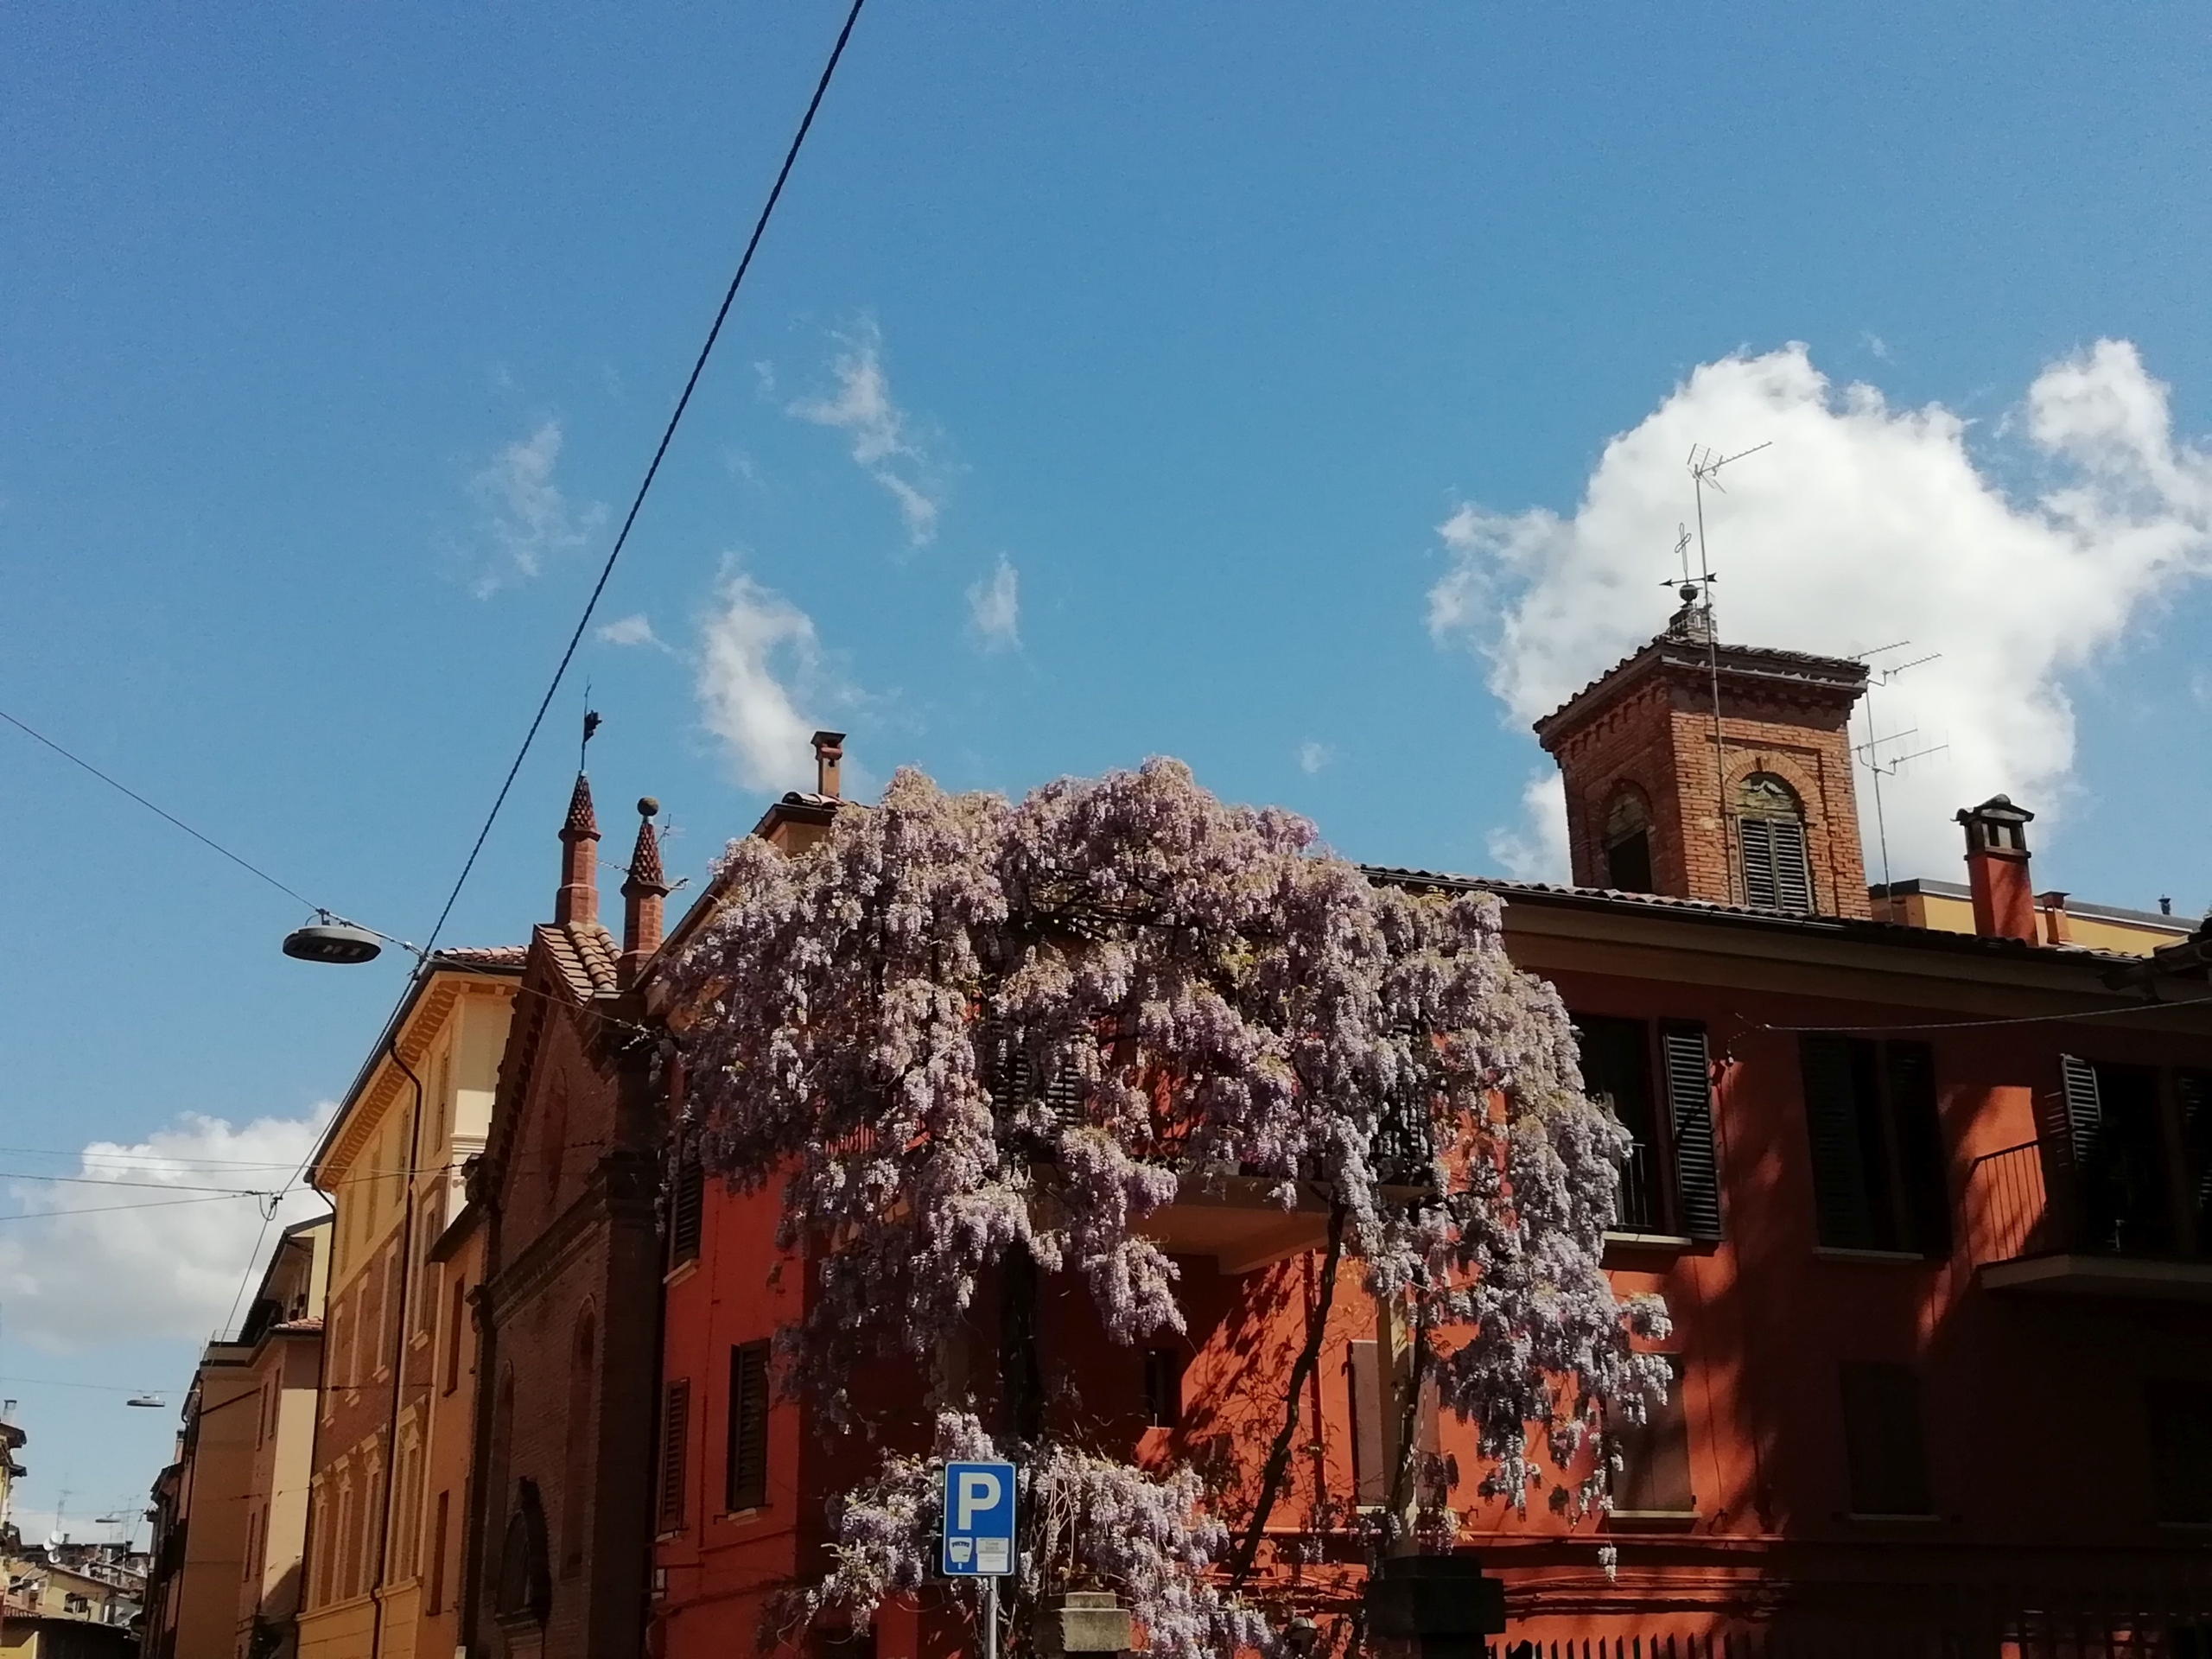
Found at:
[1770, 834]
[1627, 839]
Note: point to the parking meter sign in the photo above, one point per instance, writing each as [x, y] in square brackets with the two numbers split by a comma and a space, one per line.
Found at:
[978, 1520]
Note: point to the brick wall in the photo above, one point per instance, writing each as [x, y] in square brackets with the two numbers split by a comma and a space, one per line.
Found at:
[1652, 733]
[576, 1169]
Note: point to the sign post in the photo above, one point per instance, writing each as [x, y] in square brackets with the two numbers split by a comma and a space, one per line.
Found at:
[979, 1534]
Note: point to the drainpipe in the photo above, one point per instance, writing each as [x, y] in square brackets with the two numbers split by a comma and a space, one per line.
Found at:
[398, 1344]
[481, 1413]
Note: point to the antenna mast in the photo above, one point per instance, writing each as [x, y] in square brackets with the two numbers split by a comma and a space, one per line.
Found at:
[1704, 464]
[1870, 756]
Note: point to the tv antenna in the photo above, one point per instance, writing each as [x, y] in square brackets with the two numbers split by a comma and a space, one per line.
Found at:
[1704, 464]
[1881, 766]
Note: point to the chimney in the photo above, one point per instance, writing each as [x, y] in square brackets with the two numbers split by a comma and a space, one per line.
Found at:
[829, 753]
[1997, 868]
[641, 898]
[2053, 906]
[578, 900]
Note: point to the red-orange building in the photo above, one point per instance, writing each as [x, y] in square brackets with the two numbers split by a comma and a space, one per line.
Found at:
[1932, 1211]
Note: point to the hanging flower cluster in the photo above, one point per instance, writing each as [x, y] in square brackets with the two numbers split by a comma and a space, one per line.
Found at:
[957, 1024]
[1087, 1523]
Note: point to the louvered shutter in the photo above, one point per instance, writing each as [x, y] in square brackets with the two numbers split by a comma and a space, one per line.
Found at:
[1793, 881]
[675, 1437]
[1842, 1207]
[1756, 837]
[1689, 1124]
[1883, 1442]
[2082, 1113]
[687, 1209]
[1920, 1147]
[2193, 1090]
[748, 1426]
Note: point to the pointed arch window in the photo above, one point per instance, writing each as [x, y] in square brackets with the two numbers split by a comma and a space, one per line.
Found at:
[1770, 834]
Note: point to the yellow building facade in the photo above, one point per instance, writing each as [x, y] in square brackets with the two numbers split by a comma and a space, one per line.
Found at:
[2060, 918]
[397, 1401]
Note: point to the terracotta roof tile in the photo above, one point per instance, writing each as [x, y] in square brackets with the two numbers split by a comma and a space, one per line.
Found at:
[585, 953]
[486, 955]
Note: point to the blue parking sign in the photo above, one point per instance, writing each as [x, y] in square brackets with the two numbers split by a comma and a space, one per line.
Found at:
[978, 1520]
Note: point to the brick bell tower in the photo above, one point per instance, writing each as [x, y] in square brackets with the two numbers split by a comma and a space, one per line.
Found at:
[1772, 825]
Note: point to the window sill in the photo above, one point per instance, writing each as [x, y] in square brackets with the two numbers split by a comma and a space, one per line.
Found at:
[680, 1272]
[1880, 1520]
[741, 1517]
[1872, 1258]
[1650, 1520]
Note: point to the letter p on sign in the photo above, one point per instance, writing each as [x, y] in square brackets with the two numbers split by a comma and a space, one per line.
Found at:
[979, 1493]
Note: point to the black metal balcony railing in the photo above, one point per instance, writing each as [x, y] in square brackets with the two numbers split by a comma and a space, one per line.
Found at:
[2037, 1199]
[1639, 1210]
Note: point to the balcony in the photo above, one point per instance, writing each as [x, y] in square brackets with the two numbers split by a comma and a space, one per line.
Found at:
[2043, 1225]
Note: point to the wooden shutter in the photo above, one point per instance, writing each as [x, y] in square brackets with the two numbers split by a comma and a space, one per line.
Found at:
[1689, 1124]
[1793, 879]
[1654, 1472]
[1921, 1157]
[2193, 1090]
[687, 1207]
[1756, 837]
[438, 1553]
[748, 1426]
[1363, 1383]
[2082, 1116]
[1883, 1442]
[1843, 1208]
[2179, 1419]
[675, 1439]
[1163, 1387]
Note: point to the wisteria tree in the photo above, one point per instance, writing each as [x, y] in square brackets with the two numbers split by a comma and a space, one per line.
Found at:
[961, 1030]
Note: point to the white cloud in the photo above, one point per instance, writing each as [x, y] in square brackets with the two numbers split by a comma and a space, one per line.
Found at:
[756, 655]
[995, 608]
[883, 446]
[1536, 849]
[631, 631]
[522, 515]
[1863, 524]
[113, 1254]
[1313, 756]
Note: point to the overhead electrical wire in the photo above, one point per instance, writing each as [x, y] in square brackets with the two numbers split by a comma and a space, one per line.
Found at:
[652, 468]
[206, 841]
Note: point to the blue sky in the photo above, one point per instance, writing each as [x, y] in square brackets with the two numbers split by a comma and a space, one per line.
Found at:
[1244, 341]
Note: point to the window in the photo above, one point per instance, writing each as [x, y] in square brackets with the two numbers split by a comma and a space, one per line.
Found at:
[2103, 1137]
[554, 1149]
[1617, 1071]
[1770, 830]
[1654, 1473]
[675, 1435]
[575, 1484]
[525, 1587]
[2180, 1417]
[687, 1207]
[322, 1544]
[438, 1522]
[1372, 1431]
[1671, 1181]
[1163, 1387]
[456, 1329]
[2193, 1092]
[1883, 1444]
[747, 1480]
[1628, 843]
[1879, 1179]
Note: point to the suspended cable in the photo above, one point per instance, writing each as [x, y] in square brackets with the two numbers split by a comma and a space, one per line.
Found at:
[653, 469]
[205, 841]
